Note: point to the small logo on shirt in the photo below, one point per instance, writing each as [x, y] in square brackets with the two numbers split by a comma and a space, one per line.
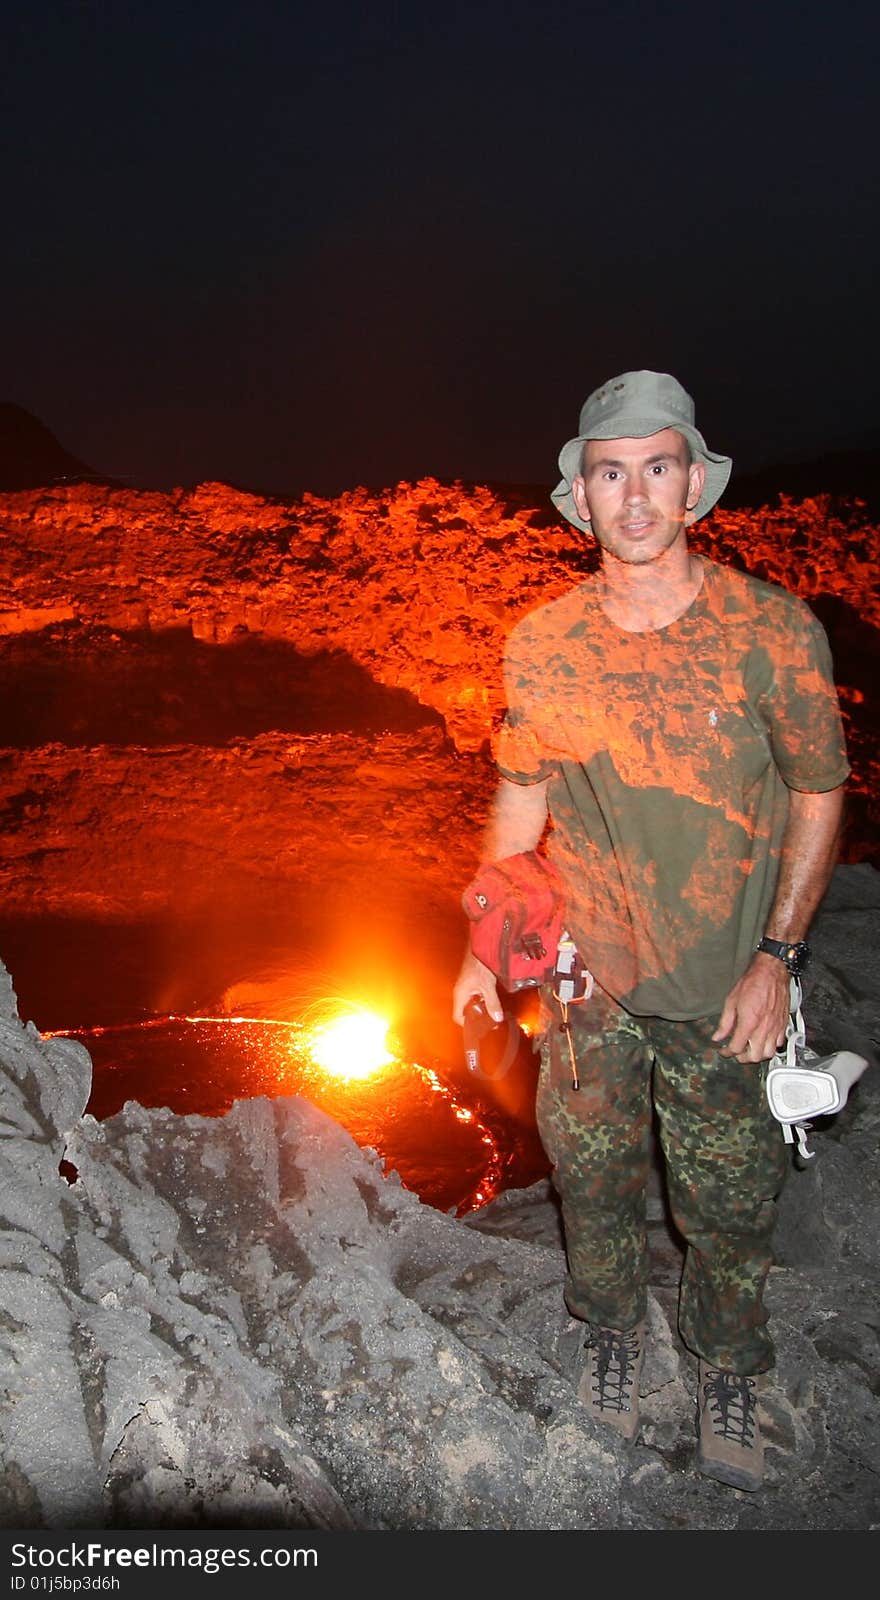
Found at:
[713, 718]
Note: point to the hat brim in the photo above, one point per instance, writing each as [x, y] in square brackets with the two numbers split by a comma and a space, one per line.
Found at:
[718, 468]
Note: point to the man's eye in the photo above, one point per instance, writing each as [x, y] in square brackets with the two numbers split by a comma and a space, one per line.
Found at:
[611, 474]
[658, 468]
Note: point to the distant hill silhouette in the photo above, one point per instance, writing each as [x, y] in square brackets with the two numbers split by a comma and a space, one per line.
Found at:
[31, 457]
[846, 474]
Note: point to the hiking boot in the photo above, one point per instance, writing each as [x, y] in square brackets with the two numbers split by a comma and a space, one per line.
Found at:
[731, 1449]
[609, 1385]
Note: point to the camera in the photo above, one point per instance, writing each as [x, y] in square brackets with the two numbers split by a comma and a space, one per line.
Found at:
[490, 1047]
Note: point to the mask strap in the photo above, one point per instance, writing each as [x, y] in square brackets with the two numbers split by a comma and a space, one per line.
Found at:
[795, 1039]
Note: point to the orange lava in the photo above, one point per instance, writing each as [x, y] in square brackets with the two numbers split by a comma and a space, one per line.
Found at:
[440, 1147]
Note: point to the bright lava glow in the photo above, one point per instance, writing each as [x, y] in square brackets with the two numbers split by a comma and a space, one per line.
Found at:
[351, 1046]
[336, 1042]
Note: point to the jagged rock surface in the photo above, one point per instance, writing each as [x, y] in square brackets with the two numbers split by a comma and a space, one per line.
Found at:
[127, 830]
[419, 584]
[240, 1321]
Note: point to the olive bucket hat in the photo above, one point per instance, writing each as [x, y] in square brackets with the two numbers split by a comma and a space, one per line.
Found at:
[631, 407]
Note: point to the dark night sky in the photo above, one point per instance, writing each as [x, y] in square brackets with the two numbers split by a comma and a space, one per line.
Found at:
[308, 246]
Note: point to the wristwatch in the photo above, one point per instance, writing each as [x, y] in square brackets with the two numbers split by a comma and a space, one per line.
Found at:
[793, 956]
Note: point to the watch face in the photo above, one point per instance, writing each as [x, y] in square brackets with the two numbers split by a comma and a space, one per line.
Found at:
[794, 956]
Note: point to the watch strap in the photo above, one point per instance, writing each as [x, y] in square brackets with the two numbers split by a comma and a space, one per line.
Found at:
[794, 954]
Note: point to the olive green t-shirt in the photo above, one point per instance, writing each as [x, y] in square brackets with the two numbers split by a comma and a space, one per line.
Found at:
[670, 755]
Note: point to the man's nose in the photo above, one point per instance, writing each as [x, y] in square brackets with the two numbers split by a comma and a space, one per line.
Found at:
[634, 491]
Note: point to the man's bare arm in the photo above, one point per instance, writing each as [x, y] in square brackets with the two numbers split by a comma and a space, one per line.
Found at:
[517, 819]
[756, 1011]
[516, 822]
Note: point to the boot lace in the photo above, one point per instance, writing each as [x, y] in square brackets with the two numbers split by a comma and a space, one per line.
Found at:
[730, 1401]
[616, 1358]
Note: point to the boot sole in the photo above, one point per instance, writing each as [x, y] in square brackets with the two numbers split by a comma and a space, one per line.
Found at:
[731, 1476]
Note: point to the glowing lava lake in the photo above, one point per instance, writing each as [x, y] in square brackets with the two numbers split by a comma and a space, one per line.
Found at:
[454, 1148]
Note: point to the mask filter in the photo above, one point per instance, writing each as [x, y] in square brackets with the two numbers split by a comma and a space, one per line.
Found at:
[813, 1088]
[801, 1085]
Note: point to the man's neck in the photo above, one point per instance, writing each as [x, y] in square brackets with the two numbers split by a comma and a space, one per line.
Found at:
[642, 598]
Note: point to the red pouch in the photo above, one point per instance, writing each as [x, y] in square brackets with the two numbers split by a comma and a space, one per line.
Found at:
[517, 916]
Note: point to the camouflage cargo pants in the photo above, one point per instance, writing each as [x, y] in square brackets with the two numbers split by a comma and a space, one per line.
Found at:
[725, 1165]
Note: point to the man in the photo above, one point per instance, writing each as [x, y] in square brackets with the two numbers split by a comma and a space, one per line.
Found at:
[677, 722]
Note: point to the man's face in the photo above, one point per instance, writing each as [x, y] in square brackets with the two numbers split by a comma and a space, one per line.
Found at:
[638, 494]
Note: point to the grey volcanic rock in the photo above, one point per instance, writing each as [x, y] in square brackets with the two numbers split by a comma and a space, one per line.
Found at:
[241, 1321]
[828, 1214]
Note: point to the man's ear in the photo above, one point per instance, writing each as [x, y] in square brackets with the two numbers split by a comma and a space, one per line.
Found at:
[696, 480]
[580, 499]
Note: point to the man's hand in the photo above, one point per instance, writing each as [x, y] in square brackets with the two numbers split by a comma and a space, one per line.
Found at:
[756, 1012]
[517, 820]
[475, 978]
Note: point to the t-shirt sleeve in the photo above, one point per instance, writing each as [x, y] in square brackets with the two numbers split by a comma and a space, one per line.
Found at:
[520, 745]
[801, 707]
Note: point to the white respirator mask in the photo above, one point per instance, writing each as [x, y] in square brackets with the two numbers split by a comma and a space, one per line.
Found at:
[801, 1085]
